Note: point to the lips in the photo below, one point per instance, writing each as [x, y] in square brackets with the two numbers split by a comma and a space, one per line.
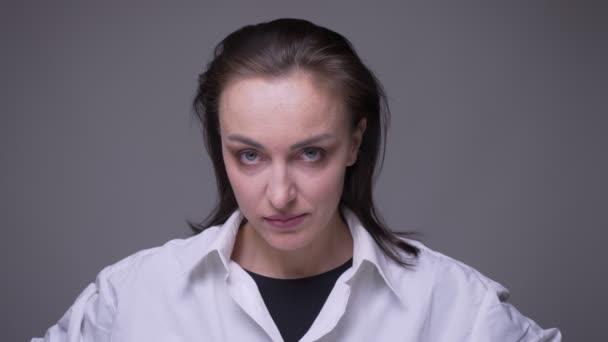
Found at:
[282, 217]
[285, 221]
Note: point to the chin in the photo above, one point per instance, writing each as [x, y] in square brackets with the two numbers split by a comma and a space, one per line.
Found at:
[287, 239]
[288, 242]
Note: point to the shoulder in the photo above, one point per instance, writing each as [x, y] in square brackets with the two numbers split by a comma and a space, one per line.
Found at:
[454, 275]
[445, 273]
[94, 311]
[160, 261]
[448, 288]
[445, 288]
[460, 294]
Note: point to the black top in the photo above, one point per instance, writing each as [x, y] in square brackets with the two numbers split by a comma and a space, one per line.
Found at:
[295, 303]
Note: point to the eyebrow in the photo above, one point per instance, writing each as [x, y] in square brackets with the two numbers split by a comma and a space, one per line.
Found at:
[248, 141]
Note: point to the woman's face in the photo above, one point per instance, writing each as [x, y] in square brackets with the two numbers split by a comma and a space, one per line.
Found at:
[286, 144]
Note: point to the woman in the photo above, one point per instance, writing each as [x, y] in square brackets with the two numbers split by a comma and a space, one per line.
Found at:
[293, 122]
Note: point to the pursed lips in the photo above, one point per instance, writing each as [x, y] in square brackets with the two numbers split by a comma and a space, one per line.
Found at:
[282, 218]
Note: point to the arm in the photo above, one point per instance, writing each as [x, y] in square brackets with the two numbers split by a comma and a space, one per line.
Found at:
[90, 318]
[498, 320]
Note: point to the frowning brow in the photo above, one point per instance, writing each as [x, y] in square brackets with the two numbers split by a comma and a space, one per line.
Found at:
[310, 141]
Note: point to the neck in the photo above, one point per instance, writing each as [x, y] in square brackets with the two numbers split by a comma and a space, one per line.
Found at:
[325, 253]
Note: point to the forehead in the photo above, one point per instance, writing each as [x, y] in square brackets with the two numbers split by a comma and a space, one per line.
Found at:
[284, 109]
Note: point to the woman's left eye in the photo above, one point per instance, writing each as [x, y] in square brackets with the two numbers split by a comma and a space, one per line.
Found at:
[311, 154]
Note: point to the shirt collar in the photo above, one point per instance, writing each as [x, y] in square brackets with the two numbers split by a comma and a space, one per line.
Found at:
[203, 245]
[365, 249]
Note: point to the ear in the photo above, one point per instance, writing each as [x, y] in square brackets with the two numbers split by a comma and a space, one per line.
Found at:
[357, 138]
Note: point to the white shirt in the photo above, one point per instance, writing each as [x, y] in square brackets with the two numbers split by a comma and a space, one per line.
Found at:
[190, 290]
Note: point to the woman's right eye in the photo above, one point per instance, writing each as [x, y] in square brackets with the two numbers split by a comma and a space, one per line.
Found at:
[248, 157]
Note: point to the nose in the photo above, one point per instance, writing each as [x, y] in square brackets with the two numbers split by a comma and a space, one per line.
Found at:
[281, 190]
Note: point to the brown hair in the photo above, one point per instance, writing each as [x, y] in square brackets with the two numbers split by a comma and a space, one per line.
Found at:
[275, 49]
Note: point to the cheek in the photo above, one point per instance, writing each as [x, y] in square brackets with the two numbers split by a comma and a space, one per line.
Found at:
[325, 186]
[247, 189]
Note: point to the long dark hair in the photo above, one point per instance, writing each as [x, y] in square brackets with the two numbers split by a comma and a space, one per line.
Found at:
[274, 49]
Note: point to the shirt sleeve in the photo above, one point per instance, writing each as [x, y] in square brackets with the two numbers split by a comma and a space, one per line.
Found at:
[498, 320]
[90, 318]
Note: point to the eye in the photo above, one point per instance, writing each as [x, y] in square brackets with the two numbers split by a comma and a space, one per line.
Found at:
[312, 154]
[248, 157]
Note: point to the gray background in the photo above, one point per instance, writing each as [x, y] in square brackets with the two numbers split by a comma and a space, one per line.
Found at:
[497, 150]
